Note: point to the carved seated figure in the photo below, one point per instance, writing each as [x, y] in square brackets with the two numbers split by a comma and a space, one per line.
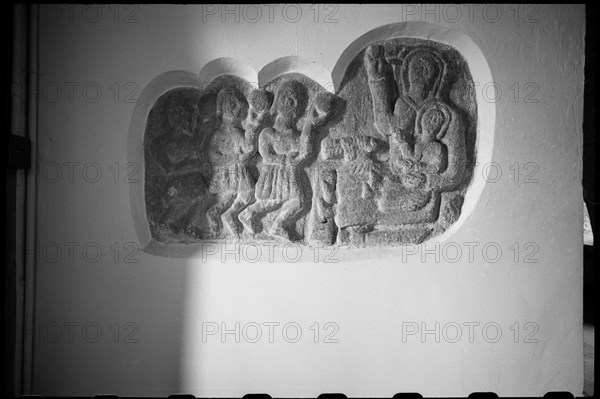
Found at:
[426, 137]
[176, 153]
[175, 150]
[230, 148]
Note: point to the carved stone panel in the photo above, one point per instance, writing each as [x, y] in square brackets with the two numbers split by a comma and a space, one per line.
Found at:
[231, 162]
[385, 161]
[397, 166]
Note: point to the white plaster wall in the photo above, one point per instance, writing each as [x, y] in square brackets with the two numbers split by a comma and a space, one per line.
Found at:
[170, 300]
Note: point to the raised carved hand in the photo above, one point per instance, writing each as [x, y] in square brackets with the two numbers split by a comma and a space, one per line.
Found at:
[375, 63]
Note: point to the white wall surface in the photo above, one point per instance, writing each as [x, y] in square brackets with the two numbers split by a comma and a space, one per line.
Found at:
[531, 212]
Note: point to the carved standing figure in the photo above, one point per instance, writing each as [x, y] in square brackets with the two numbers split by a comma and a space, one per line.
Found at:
[355, 188]
[284, 150]
[230, 148]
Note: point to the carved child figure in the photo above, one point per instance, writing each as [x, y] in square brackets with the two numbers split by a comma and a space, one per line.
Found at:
[283, 150]
[230, 148]
[428, 155]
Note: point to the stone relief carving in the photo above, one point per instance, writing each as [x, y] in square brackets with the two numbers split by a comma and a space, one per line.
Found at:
[385, 161]
[229, 151]
[285, 149]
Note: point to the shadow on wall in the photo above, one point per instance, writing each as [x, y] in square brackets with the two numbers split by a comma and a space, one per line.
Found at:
[202, 279]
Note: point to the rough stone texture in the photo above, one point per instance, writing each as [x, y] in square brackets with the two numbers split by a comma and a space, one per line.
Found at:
[386, 161]
[396, 168]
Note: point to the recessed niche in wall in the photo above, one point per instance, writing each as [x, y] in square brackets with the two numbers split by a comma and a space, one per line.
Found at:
[385, 161]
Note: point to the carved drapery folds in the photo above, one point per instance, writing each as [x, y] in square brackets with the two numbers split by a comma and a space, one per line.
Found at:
[385, 161]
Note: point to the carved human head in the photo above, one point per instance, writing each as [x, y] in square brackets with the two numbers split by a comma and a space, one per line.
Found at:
[261, 100]
[433, 124]
[231, 104]
[424, 70]
[180, 114]
[291, 99]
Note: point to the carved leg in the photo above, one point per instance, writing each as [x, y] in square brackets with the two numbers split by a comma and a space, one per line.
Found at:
[230, 217]
[289, 210]
[327, 186]
[248, 215]
[214, 213]
[353, 236]
[357, 236]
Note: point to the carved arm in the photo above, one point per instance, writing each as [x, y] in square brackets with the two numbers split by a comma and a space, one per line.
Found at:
[454, 140]
[265, 148]
[383, 89]
[216, 156]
